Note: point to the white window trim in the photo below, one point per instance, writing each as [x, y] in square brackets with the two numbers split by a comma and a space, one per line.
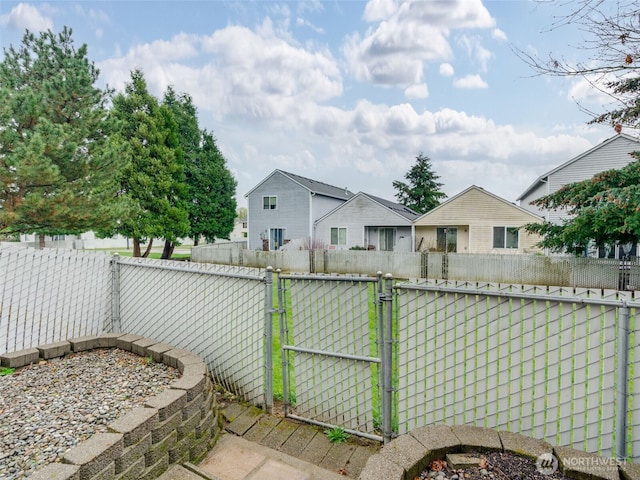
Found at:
[269, 196]
[504, 227]
[345, 236]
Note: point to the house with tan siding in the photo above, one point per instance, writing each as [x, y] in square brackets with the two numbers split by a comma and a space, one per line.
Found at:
[476, 221]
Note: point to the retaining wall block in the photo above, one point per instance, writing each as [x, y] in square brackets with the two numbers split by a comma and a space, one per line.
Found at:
[168, 402]
[189, 425]
[584, 465]
[408, 453]
[154, 471]
[141, 347]
[191, 384]
[523, 445]
[124, 342]
[165, 428]
[80, 344]
[108, 340]
[181, 451]
[133, 453]
[54, 350]
[381, 468]
[477, 438]
[95, 454]
[135, 424]
[158, 349]
[161, 449]
[171, 357]
[20, 358]
[57, 471]
[133, 472]
[629, 471]
[438, 441]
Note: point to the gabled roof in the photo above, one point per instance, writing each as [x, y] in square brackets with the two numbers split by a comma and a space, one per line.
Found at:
[480, 189]
[544, 177]
[400, 210]
[314, 186]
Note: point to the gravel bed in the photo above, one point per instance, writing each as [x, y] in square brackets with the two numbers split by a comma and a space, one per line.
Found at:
[493, 466]
[48, 408]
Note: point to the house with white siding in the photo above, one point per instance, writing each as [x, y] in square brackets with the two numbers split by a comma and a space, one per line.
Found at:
[612, 153]
[476, 221]
[368, 222]
[283, 207]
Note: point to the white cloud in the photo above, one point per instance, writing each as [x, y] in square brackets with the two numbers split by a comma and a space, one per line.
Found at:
[417, 91]
[470, 81]
[24, 16]
[474, 49]
[499, 35]
[416, 32]
[446, 70]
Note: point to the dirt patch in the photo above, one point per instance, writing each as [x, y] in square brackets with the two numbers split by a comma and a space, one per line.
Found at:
[491, 466]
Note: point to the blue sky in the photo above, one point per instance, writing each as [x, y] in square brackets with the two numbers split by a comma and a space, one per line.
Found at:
[349, 92]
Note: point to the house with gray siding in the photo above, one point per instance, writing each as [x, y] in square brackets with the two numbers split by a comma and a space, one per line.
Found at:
[369, 222]
[612, 153]
[283, 207]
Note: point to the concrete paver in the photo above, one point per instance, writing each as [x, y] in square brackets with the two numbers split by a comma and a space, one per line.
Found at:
[234, 458]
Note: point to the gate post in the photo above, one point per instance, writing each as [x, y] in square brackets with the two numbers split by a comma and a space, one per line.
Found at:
[387, 361]
[115, 294]
[268, 340]
[623, 330]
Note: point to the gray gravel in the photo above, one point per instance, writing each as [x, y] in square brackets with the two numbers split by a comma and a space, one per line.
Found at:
[47, 409]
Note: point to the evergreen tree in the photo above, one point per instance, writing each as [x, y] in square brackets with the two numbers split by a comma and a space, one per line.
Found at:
[211, 186]
[153, 181]
[422, 193]
[57, 161]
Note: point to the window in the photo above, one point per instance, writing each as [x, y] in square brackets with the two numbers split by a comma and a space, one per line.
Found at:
[338, 236]
[387, 239]
[505, 237]
[269, 202]
[447, 239]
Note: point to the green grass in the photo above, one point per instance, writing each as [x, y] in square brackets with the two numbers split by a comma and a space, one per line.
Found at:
[6, 371]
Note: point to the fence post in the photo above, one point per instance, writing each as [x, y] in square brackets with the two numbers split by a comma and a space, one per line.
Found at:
[268, 334]
[284, 335]
[623, 330]
[387, 361]
[115, 293]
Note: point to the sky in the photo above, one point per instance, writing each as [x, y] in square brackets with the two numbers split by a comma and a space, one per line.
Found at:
[349, 92]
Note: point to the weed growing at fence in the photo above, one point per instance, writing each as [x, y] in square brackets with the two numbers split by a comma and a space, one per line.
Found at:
[337, 435]
[6, 371]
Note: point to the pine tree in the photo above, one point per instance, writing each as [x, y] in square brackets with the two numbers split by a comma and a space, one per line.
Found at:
[57, 160]
[422, 193]
[153, 181]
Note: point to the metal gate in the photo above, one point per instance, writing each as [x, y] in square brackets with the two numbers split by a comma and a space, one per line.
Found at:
[335, 371]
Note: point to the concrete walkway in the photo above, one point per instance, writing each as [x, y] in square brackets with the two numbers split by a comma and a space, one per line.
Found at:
[257, 446]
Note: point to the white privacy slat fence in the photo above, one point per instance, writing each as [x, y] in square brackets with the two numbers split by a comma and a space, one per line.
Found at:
[551, 362]
[215, 313]
[51, 295]
[542, 364]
